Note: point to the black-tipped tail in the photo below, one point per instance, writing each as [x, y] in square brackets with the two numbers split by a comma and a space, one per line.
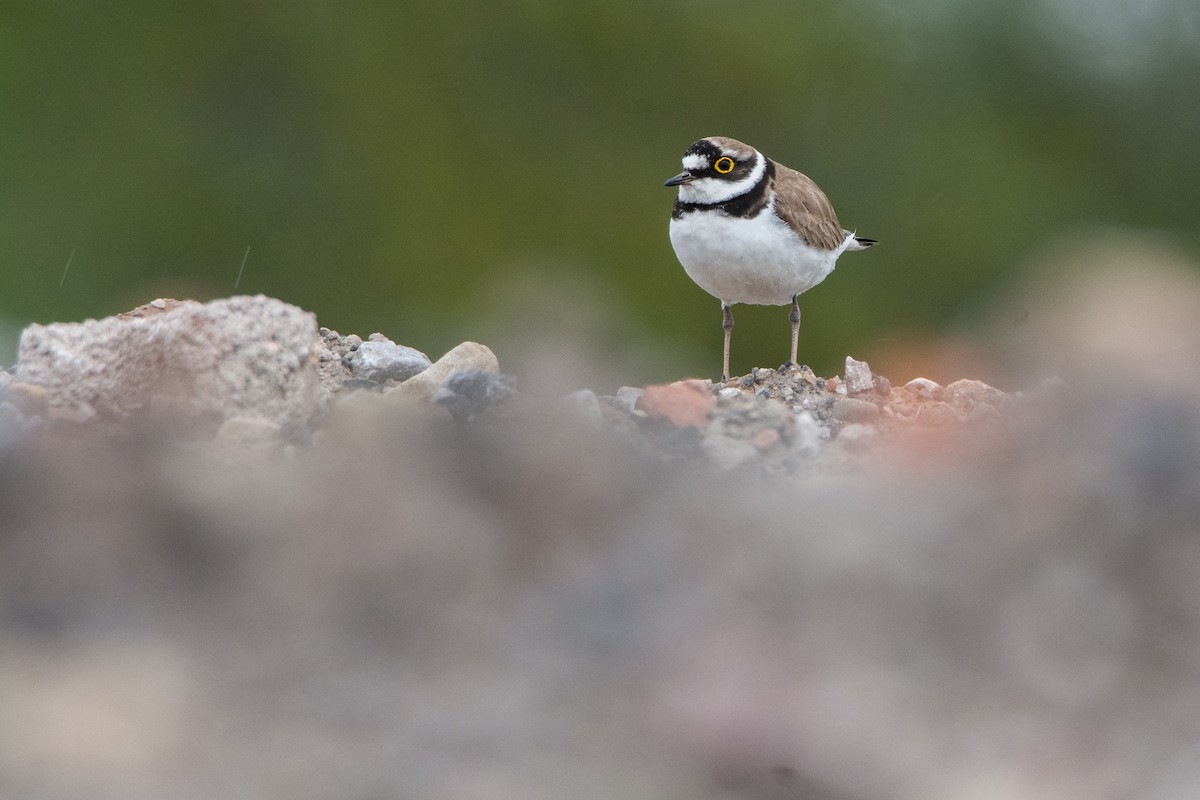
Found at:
[854, 242]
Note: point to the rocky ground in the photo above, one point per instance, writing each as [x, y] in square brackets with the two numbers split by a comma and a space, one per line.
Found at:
[243, 556]
[252, 368]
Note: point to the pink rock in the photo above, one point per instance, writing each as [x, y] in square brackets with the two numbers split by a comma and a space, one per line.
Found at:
[765, 439]
[681, 403]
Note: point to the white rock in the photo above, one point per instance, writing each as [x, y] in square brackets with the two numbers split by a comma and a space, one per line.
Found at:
[807, 435]
[628, 396]
[727, 452]
[858, 376]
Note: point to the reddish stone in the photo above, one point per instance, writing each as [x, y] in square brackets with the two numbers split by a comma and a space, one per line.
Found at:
[764, 440]
[681, 403]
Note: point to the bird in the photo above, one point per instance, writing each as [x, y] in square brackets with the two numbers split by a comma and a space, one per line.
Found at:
[747, 229]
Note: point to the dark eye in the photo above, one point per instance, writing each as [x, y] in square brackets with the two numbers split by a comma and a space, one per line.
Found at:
[724, 165]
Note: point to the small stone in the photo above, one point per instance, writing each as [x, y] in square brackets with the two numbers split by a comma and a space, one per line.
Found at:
[627, 397]
[378, 337]
[159, 303]
[681, 403]
[728, 392]
[924, 387]
[467, 394]
[466, 357]
[381, 361]
[850, 409]
[807, 434]
[805, 375]
[858, 376]
[765, 439]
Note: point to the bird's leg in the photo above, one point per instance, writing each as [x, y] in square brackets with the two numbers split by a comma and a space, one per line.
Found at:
[794, 318]
[727, 326]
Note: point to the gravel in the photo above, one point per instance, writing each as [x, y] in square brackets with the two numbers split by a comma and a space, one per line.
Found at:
[255, 373]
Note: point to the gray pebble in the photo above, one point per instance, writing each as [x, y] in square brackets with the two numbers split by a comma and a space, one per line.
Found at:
[468, 394]
[384, 361]
[849, 409]
[628, 396]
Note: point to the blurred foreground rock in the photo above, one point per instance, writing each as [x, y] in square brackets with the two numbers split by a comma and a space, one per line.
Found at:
[242, 356]
[600, 598]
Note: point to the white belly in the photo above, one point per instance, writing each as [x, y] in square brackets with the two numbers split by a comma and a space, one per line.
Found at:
[758, 260]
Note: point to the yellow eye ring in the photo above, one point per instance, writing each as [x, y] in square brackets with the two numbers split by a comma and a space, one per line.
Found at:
[724, 165]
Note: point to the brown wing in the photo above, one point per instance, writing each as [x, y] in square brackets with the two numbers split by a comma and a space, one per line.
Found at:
[804, 207]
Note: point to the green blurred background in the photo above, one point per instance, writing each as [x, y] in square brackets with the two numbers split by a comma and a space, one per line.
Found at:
[493, 171]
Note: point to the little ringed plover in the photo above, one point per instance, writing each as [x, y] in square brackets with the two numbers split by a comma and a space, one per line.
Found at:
[750, 230]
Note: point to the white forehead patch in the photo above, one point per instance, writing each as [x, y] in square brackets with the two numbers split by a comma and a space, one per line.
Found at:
[695, 161]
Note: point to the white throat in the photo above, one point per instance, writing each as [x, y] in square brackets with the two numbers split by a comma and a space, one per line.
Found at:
[709, 191]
